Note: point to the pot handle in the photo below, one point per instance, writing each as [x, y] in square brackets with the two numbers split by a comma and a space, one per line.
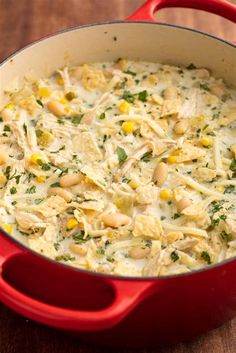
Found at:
[219, 7]
[126, 296]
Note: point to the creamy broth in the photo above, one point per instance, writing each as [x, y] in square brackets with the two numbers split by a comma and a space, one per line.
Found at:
[125, 168]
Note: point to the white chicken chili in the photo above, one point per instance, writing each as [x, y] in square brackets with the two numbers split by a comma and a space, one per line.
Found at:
[125, 168]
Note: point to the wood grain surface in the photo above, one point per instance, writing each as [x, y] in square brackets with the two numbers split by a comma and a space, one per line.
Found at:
[23, 21]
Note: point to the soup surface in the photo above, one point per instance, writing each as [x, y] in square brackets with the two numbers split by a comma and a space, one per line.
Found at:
[125, 168]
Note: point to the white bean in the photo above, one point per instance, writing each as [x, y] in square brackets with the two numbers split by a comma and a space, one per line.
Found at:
[138, 252]
[66, 195]
[160, 174]
[181, 127]
[202, 74]
[78, 249]
[105, 268]
[7, 114]
[70, 179]
[56, 108]
[170, 93]
[218, 90]
[3, 157]
[115, 220]
[182, 204]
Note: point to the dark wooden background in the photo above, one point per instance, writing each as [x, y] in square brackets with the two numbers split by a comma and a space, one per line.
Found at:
[23, 21]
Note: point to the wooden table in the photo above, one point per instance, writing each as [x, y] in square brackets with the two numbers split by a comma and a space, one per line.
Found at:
[23, 21]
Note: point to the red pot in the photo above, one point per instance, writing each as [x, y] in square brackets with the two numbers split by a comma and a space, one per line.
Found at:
[109, 309]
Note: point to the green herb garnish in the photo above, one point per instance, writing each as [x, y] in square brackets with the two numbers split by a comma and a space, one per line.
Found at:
[191, 67]
[142, 96]
[174, 256]
[206, 257]
[39, 102]
[13, 190]
[76, 119]
[146, 157]
[31, 190]
[122, 156]
[128, 96]
[102, 116]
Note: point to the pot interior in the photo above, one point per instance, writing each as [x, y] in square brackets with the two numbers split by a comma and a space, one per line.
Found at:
[106, 42]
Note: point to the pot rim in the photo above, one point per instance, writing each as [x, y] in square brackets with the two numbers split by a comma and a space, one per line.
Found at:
[88, 272]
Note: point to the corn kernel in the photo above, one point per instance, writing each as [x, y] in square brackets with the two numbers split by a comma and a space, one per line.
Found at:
[3, 179]
[10, 106]
[45, 139]
[63, 101]
[124, 107]
[177, 152]
[220, 189]
[37, 158]
[71, 223]
[166, 194]
[172, 159]
[134, 184]
[44, 92]
[68, 109]
[206, 142]
[201, 118]
[152, 79]
[8, 228]
[88, 181]
[128, 127]
[60, 81]
[40, 178]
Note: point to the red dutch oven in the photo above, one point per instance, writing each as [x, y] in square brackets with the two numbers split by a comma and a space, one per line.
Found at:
[103, 308]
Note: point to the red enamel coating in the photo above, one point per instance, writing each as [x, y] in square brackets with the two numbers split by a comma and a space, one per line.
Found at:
[125, 297]
[120, 311]
[219, 7]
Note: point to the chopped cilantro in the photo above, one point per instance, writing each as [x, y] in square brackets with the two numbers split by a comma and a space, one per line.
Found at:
[38, 201]
[13, 190]
[56, 246]
[60, 149]
[229, 189]
[76, 119]
[206, 257]
[226, 236]
[122, 156]
[31, 190]
[6, 128]
[65, 258]
[204, 87]
[146, 157]
[55, 185]
[233, 165]
[176, 215]
[142, 96]
[25, 128]
[191, 67]
[44, 166]
[174, 256]
[39, 102]
[39, 133]
[100, 251]
[60, 121]
[102, 116]
[129, 72]
[129, 97]
[17, 177]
